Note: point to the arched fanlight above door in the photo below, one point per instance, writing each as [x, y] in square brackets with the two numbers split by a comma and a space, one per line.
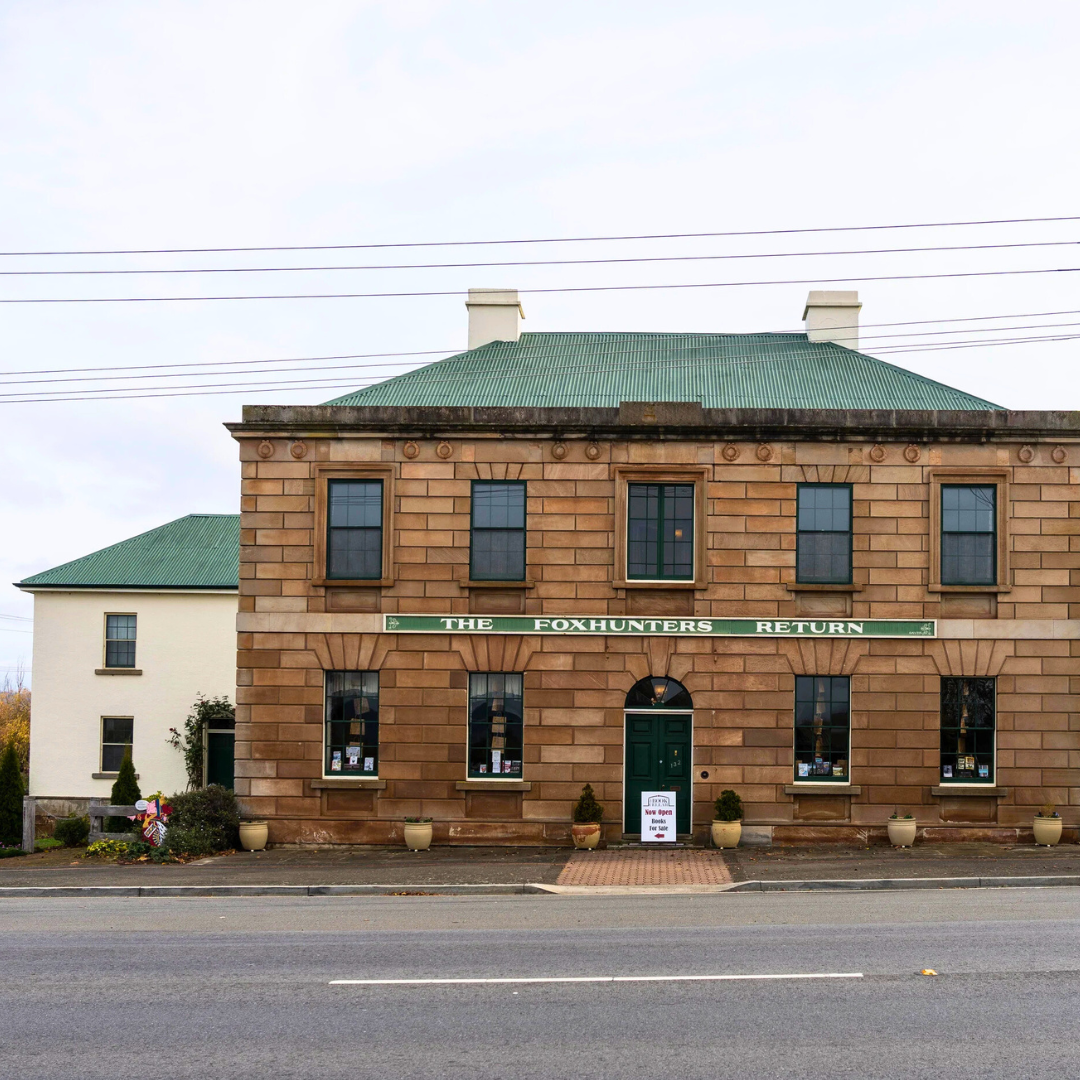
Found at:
[658, 692]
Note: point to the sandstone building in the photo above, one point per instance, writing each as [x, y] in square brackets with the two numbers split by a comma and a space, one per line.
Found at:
[677, 562]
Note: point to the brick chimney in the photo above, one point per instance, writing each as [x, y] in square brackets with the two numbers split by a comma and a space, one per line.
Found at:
[833, 316]
[494, 315]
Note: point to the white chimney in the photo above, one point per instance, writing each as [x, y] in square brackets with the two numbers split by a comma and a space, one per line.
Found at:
[494, 315]
[833, 316]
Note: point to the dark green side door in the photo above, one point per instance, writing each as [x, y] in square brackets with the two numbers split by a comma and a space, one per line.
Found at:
[658, 749]
[220, 757]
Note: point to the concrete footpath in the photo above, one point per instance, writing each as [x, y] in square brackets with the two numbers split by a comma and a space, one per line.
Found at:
[470, 870]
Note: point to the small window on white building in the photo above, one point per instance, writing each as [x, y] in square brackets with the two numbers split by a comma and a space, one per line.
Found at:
[120, 641]
[116, 737]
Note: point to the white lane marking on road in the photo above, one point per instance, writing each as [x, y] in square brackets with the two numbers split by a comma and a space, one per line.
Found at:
[595, 979]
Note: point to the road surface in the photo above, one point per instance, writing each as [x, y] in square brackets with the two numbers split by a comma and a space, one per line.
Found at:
[266, 987]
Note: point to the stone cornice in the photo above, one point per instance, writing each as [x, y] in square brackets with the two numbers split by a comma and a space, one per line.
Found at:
[660, 420]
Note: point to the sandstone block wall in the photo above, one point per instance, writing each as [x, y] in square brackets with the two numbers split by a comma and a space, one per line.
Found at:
[575, 687]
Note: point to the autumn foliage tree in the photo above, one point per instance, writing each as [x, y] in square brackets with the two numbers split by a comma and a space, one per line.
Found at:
[15, 719]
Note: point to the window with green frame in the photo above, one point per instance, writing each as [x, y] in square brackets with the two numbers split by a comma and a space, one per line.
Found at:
[967, 730]
[822, 728]
[497, 539]
[968, 534]
[496, 723]
[352, 723]
[823, 544]
[660, 532]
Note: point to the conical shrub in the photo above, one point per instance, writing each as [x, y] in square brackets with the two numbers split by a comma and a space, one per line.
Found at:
[11, 797]
[125, 792]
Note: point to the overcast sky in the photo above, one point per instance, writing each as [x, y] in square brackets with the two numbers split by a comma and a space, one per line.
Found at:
[231, 123]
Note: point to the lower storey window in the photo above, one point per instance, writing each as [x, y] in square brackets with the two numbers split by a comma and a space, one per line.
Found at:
[116, 732]
[967, 730]
[496, 716]
[352, 723]
[822, 727]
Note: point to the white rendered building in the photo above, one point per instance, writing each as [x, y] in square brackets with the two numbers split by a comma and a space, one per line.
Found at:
[125, 640]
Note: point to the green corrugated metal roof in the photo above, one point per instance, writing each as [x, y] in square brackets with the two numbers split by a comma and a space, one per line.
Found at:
[200, 551]
[722, 371]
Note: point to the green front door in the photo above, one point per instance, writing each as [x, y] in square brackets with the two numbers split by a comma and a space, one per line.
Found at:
[219, 757]
[658, 750]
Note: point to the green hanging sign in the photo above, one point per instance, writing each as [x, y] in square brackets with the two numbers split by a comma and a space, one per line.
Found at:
[619, 625]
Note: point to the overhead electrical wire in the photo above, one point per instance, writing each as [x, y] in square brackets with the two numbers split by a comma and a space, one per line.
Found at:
[450, 354]
[528, 292]
[124, 394]
[543, 240]
[537, 262]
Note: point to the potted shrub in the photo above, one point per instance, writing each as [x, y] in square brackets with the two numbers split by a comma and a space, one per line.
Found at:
[902, 828]
[727, 820]
[1047, 826]
[418, 833]
[588, 814]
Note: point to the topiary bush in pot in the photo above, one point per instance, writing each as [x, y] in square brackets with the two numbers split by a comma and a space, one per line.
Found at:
[587, 814]
[727, 821]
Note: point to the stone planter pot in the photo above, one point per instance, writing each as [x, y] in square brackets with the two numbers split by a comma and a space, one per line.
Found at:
[902, 831]
[1047, 830]
[726, 833]
[253, 835]
[586, 835]
[418, 835]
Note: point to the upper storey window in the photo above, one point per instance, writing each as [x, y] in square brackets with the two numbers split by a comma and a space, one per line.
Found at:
[354, 542]
[823, 555]
[497, 547]
[120, 641]
[660, 532]
[968, 534]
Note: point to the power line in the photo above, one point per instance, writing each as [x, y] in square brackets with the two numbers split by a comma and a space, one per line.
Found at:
[528, 292]
[524, 354]
[450, 352]
[231, 363]
[537, 262]
[544, 240]
[211, 389]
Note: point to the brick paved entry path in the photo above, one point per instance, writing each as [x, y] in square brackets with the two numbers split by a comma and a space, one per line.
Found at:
[645, 866]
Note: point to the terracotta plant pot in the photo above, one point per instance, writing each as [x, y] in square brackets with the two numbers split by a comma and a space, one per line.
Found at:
[726, 833]
[586, 835]
[418, 835]
[1047, 830]
[253, 835]
[902, 831]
